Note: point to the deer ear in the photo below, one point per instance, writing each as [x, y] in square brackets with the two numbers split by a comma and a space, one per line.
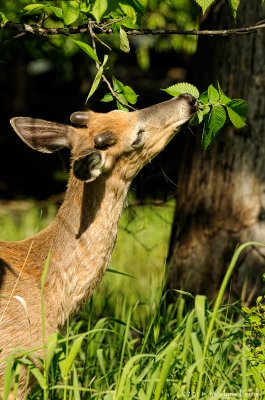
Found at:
[42, 135]
[87, 167]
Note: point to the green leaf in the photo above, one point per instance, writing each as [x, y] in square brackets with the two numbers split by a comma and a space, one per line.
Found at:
[9, 375]
[223, 98]
[197, 118]
[204, 4]
[212, 124]
[74, 350]
[76, 385]
[217, 119]
[240, 106]
[234, 4]
[57, 11]
[95, 83]
[141, 5]
[213, 94]
[101, 360]
[118, 86]
[130, 95]
[71, 11]
[124, 41]
[187, 335]
[108, 97]
[203, 98]
[33, 8]
[3, 18]
[246, 310]
[200, 308]
[120, 106]
[182, 87]
[206, 109]
[197, 351]
[236, 119]
[39, 377]
[51, 347]
[97, 79]
[87, 49]
[99, 9]
[237, 111]
[129, 11]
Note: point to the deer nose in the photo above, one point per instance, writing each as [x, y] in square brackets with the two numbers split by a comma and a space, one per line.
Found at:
[190, 99]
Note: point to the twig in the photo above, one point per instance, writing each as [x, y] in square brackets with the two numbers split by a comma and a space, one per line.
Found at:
[41, 31]
[104, 78]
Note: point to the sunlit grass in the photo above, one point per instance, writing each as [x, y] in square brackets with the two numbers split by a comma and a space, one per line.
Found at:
[110, 358]
[19, 220]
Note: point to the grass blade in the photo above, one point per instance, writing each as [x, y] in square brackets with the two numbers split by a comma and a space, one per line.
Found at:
[200, 312]
[187, 336]
[197, 350]
[8, 378]
[164, 373]
[75, 348]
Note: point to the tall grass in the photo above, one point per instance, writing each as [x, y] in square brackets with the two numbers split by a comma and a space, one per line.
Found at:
[128, 343]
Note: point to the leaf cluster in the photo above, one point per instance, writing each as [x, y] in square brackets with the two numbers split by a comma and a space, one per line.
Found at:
[75, 12]
[214, 106]
[124, 95]
[213, 109]
[255, 339]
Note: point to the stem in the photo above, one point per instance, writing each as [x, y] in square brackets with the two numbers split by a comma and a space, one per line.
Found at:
[41, 31]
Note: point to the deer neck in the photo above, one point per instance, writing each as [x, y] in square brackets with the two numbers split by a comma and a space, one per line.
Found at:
[84, 234]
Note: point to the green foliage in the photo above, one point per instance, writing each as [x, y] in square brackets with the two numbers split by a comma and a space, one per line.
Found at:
[204, 4]
[124, 41]
[118, 14]
[70, 11]
[122, 15]
[234, 4]
[119, 358]
[183, 87]
[87, 49]
[97, 78]
[99, 9]
[172, 14]
[142, 347]
[255, 339]
[213, 108]
[124, 95]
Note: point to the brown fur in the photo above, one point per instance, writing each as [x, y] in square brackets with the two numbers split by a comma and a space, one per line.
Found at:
[81, 238]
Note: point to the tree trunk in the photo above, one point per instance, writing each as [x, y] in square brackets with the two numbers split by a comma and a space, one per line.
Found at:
[221, 194]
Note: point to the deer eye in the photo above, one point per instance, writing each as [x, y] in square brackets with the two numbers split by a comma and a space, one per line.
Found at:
[104, 140]
[139, 140]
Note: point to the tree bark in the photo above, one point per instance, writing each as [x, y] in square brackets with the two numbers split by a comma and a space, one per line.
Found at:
[221, 194]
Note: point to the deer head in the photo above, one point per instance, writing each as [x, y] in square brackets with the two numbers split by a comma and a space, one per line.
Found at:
[99, 142]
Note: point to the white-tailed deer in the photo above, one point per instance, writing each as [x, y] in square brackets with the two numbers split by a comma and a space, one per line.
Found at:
[107, 151]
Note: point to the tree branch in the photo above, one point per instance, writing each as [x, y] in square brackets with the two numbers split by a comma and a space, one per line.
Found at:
[41, 31]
